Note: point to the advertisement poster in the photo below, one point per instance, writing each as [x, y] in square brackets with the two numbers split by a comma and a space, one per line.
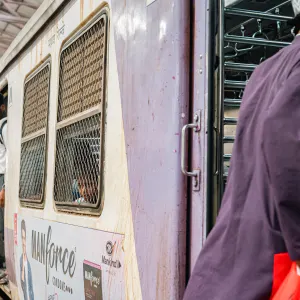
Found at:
[60, 261]
[92, 281]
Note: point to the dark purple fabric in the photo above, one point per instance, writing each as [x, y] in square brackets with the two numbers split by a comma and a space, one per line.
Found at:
[260, 214]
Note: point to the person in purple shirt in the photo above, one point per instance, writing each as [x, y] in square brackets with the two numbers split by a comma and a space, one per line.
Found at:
[257, 233]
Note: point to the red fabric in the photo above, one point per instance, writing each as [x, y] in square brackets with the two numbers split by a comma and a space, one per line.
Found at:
[281, 268]
[290, 287]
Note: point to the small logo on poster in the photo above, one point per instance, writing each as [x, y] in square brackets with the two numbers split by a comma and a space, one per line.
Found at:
[109, 248]
[110, 261]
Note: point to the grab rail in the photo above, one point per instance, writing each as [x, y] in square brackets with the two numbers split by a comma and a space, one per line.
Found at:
[232, 102]
[235, 84]
[230, 66]
[255, 14]
[228, 139]
[230, 121]
[254, 41]
[227, 157]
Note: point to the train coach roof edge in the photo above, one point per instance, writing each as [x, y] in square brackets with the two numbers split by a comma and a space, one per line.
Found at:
[32, 27]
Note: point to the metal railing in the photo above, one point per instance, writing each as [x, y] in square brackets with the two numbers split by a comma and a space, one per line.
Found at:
[255, 18]
[256, 14]
[254, 41]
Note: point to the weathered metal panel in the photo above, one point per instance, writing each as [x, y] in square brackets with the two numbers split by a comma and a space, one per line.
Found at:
[153, 45]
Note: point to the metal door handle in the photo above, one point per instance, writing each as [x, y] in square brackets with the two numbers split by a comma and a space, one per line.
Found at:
[195, 174]
[184, 150]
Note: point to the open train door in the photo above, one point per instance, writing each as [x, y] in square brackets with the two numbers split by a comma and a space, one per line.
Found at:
[219, 74]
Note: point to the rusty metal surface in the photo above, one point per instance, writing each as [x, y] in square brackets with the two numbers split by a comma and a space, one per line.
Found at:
[152, 45]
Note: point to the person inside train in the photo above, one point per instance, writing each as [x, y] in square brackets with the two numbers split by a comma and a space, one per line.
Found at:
[256, 237]
[88, 188]
[85, 186]
[3, 143]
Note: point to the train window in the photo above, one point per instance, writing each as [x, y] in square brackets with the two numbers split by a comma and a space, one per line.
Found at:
[34, 135]
[80, 119]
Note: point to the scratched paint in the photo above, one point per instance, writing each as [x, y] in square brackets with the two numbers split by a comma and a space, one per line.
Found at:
[152, 106]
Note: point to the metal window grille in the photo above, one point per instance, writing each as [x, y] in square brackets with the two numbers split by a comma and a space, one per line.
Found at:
[80, 119]
[34, 130]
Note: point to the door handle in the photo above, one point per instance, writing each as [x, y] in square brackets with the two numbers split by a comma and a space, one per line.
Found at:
[184, 150]
[195, 174]
[217, 151]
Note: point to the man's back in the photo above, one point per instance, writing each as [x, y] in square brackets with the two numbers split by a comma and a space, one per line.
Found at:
[237, 261]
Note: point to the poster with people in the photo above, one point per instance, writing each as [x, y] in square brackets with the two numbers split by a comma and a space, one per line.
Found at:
[25, 268]
[60, 261]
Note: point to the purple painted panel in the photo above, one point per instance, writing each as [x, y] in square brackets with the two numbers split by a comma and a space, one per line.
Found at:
[152, 45]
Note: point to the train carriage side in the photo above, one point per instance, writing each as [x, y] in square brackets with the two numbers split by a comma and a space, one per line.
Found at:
[96, 202]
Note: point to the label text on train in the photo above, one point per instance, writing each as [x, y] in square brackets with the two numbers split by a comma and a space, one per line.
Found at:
[51, 255]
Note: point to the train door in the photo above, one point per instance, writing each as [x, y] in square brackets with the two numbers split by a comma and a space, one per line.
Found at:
[198, 159]
[249, 33]
[227, 47]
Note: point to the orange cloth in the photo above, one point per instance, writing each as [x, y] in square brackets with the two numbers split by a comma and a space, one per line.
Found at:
[290, 287]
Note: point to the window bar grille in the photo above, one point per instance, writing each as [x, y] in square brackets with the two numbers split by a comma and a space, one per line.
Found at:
[34, 136]
[80, 118]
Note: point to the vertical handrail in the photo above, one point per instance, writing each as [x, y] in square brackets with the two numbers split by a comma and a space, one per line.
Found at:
[220, 112]
[211, 53]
